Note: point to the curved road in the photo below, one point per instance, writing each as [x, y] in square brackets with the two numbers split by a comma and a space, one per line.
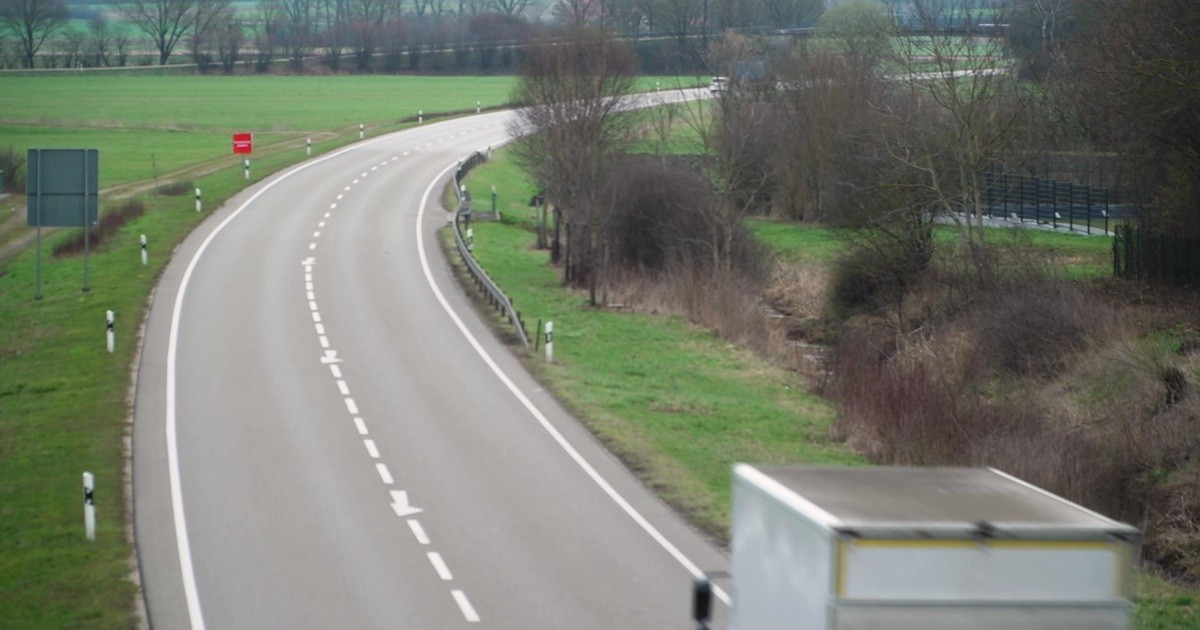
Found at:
[327, 436]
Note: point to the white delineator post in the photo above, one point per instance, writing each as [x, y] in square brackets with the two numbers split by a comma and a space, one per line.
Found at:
[478, 106]
[144, 257]
[420, 116]
[470, 239]
[360, 131]
[197, 200]
[111, 318]
[246, 167]
[549, 342]
[89, 506]
[308, 146]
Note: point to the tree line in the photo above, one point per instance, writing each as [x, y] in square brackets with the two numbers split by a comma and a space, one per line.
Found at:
[218, 33]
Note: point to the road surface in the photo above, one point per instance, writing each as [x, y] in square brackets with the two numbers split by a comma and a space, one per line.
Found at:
[327, 436]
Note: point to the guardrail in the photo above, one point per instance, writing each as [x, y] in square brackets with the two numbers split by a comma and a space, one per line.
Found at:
[496, 297]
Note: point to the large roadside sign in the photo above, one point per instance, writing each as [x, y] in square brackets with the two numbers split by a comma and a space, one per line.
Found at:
[62, 187]
[243, 143]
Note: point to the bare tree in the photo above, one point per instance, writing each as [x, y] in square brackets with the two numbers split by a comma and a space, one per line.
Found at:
[508, 7]
[267, 27]
[73, 41]
[31, 22]
[100, 40]
[230, 40]
[578, 13]
[573, 131]
[165, 22]
[299, 27]
[211, 18]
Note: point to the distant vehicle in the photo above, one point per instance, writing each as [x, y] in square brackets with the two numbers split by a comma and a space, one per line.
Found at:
[719, 84]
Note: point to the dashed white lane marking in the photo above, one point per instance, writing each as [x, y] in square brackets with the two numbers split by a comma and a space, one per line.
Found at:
[372, 450]
[311, 295]
[335, 371]
[385, 474]
[316, 317]
[324, 341]
[312, 246]
[317, 234]
[308, 286]
[341, 196]
[376, 168]
[320, 329]
[464, 605]
[351, 406]
[361, 426]
[439, 565]
[308, 277]
[312, 306]
[328, 214]
[364, 174]
[343, 387]
[352, 183]
[347, 189]
[332, 206]
[418, 531]
[405, 153]
[320, 224]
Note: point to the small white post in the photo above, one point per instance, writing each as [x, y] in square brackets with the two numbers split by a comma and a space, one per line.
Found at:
[144, 259]
[488, 156]
[89, 505]
[360, 131]
[420, 117]
[246, 167]
[197, 200]
[478, 106]
[470, 239]
[111, 318]
[656, 88]
[549, 342]
[308, 146]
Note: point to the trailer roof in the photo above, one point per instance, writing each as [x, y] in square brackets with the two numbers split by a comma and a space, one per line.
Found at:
[933, 501]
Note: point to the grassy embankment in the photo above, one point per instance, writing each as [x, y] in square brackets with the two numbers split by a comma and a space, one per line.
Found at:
[63, 400]
[680, 405]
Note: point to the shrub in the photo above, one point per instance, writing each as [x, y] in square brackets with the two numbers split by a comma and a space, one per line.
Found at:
[176, 189]
[110, 222]
[12, 162]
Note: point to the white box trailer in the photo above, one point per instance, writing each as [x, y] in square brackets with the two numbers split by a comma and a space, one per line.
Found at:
[923, 549]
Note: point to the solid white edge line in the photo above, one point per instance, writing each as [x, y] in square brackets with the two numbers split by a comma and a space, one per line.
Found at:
[537, 413]
[186, 569]
[465, 606]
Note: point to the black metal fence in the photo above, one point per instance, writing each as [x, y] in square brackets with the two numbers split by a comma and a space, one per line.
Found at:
[1049, 202]
[1153, 257]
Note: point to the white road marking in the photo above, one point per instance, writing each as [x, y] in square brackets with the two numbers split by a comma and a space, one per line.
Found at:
[308, 286]
[327, 214]
[308, 277]
[347, 189]
[364, 174]
[354, 182]
[324, 341]
[384, 474]
[405, 153]
[317, 234]
[464, 605]
[342, 387]
[371, 449]
[312, 306]
[316, 317]
[335, 371]
[320, 224]
[332, 206]
[340, 196]
[439, 565]
[351, 407]
[360, 425]
[312, 246]
[311, 295]
[537, 414]
[376, 168]
[320, 329]
[418, 531]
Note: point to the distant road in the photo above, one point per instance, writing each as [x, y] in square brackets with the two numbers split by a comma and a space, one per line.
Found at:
[327, 436]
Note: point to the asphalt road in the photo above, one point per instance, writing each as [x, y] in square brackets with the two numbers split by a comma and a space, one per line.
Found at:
[327, 436]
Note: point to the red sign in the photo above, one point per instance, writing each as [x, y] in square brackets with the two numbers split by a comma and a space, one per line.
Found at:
[243, 143]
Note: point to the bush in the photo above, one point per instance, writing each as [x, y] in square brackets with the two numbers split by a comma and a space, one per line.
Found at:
[110, 222]
[1032, 327]
[874, 273]
[176, 189]
[12, 162]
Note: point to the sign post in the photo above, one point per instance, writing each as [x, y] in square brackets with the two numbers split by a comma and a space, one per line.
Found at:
[243, 144]
[63, 190]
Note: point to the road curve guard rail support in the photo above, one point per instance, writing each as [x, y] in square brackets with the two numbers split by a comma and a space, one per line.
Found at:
[496, 297]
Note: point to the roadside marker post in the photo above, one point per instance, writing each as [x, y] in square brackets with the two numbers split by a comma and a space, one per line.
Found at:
[470, 240]
[420, 117]
[111, 319]
[197, 200]
[308, 147]
[478, 106]
[89, 506]
[246, 167]
[360, 131]
[495, 212]
[144, 257]
[549, 342]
